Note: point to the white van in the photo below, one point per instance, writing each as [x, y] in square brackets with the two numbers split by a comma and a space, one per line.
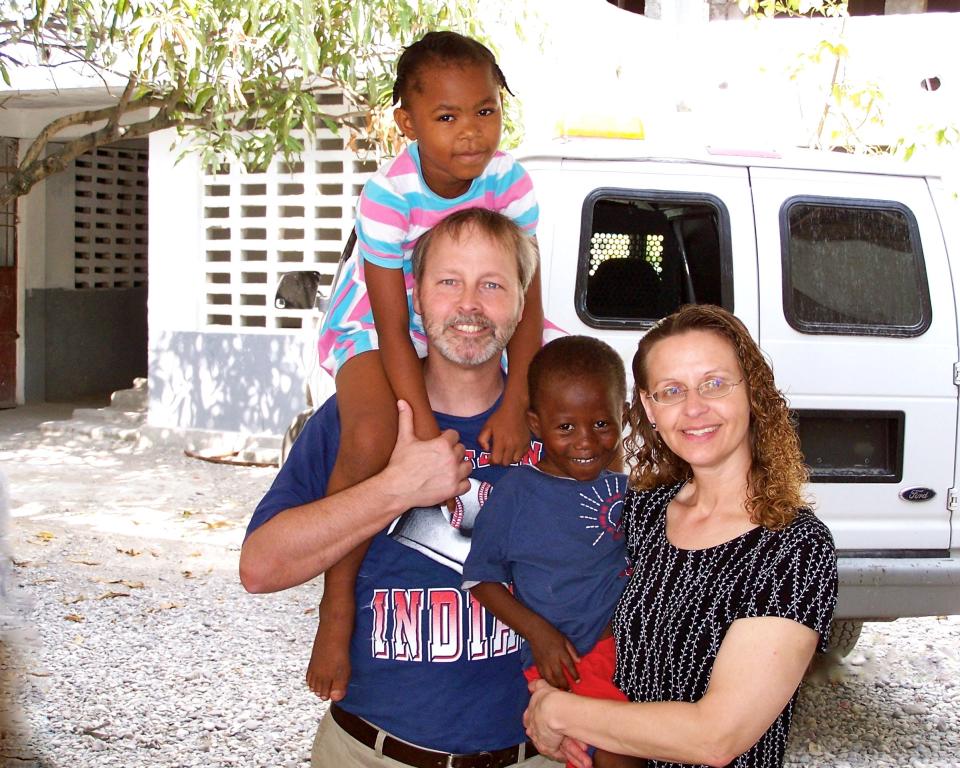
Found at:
[840, 268]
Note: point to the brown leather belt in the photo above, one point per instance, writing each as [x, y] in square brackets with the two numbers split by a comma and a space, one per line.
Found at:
[395, 749]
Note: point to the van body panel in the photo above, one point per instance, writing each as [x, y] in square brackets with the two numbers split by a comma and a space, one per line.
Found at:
[562, 191]
[851, 373]
[877, 406]
[948, 212]
[596, 150]
[891, 588]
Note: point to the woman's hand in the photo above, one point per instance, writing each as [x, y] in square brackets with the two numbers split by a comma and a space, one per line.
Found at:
[547, 740]
[551, 743]
[422, 473]
[575, 753]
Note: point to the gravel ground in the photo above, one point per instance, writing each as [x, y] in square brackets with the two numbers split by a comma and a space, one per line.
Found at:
[127, 640]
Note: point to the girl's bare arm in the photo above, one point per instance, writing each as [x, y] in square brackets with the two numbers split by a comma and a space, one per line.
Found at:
[388, 299]
[506, 434]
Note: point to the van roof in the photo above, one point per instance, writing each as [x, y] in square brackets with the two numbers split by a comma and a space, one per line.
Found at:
[614, 150]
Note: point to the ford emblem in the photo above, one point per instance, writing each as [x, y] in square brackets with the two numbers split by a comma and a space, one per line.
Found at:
[917, 494]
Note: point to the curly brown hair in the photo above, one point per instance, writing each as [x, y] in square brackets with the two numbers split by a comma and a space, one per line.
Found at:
[777, 473]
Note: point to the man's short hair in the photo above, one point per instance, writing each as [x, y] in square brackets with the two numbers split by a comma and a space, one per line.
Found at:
[576, 357]
[499, 228]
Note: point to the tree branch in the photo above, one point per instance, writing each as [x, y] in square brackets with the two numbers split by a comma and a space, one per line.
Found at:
[30, 173]
[14, 29]
[16, 62]
[827, 102]
[87, 117]
[122, 105]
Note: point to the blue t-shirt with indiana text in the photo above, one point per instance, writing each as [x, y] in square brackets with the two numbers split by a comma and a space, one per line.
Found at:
[430, 665]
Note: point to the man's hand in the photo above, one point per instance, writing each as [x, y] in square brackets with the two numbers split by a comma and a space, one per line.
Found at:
[300, 543]
[554, 655]
[506, 435]
[426, 472]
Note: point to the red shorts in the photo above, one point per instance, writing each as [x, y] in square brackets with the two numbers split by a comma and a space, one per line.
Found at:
[596, 669]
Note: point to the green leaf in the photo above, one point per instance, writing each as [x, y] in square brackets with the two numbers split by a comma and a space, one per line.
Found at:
[203, 96]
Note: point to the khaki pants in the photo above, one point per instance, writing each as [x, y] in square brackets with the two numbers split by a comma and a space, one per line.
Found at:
[335, 748]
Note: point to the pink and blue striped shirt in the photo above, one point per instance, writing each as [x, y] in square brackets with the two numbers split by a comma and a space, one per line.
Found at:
[396, 207]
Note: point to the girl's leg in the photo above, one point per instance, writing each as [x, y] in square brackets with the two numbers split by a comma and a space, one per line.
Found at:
[368, 432]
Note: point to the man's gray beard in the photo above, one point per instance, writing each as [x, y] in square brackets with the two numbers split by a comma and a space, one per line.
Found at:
[468, 351]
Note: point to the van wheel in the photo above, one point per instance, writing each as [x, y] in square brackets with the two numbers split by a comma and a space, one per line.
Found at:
[292, 433]
[844, 636]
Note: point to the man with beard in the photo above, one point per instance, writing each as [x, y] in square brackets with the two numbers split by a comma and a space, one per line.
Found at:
[435, 681]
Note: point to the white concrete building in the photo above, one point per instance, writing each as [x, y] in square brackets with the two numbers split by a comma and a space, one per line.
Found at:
[74, 258]
[222, 356]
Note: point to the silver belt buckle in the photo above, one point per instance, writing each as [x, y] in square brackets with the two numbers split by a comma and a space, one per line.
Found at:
[489, 755]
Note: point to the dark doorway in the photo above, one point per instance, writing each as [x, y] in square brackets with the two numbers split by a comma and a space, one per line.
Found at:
[634, 6]
[8, 281]
[866, 7]
[933, 6]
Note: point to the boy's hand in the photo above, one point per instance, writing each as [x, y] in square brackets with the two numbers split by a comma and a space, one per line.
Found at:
[555, 656]
[506, 435]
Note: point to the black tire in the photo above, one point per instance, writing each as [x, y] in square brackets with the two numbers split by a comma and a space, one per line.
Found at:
[844, 635]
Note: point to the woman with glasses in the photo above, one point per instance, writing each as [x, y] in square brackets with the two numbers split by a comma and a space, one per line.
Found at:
[734, 580]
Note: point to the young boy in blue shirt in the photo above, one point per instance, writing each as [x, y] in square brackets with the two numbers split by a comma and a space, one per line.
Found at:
[553, 531]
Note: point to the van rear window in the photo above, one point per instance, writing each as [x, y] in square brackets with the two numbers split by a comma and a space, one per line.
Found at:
[645, 254]
[852, 267]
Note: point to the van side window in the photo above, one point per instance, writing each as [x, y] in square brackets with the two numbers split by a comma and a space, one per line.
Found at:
[644, 254]
[853, 267]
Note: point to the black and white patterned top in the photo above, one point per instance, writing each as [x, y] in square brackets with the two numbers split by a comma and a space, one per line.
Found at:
[679, 604]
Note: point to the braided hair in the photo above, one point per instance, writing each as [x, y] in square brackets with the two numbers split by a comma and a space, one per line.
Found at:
[442, 48]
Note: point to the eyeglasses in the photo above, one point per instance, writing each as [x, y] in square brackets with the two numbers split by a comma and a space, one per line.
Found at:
[710, 389]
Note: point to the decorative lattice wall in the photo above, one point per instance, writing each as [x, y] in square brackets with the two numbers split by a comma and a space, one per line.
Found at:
[110, 218]
[258, 226]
